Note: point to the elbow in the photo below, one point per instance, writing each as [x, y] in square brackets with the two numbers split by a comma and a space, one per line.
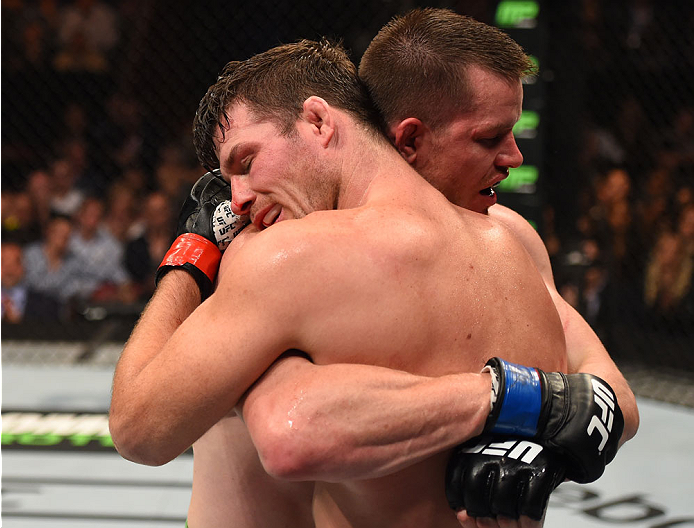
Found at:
[286, 453]
[135, 443]
[632, 421]
[288, 450]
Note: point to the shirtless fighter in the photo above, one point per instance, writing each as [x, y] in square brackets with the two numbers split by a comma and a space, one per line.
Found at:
[365, 263]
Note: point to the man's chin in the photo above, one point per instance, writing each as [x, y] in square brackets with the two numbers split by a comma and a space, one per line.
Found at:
[478, 206]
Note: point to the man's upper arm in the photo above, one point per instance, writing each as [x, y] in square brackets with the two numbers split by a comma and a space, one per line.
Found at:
[216, 354]
[585, 351]
[580, 338]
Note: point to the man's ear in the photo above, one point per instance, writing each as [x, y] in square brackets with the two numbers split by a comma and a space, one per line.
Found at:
[410, 137]
[318, 114]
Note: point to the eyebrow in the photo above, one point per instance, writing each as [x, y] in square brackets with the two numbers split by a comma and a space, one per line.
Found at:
[231, 158]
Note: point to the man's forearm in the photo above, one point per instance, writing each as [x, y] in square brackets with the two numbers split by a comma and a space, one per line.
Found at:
[585, 352]
[607, 370]
[174, 300]
[588, 355]
[342, 422]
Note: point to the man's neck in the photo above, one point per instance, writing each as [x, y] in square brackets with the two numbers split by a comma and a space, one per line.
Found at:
[370, 163]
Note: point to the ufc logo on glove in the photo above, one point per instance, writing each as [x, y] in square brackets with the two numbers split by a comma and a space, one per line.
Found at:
[603, 423]
[522, 450]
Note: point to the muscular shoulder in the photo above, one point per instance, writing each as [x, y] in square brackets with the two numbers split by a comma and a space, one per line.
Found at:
[272, 258]
[526, 235]
[297, 266]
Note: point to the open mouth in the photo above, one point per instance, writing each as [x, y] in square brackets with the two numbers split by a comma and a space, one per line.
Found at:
[490, 191]
[272, 215]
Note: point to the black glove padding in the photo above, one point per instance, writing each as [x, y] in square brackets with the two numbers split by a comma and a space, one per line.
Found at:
[583, 422]
[576, 415]
[198, 211]
[205, 227]
[492, 476]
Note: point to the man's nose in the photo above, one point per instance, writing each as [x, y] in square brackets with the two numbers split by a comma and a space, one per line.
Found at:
[510, 155]
[242, 197]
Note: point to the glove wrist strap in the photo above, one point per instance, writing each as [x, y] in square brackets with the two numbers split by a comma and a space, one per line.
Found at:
[518, 404]
[195, 254]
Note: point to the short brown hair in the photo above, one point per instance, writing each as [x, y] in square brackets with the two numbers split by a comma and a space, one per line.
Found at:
[416, 65]
[275, 83]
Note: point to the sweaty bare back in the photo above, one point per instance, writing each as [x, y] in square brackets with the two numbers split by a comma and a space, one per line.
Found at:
[430, 290]
[439, 291]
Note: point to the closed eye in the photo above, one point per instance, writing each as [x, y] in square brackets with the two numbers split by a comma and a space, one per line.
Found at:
[491, 141]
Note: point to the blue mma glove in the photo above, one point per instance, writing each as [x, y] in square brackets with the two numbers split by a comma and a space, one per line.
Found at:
[576, 415]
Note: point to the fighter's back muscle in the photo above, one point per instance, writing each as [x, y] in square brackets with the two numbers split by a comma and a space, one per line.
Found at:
[527, 236]
[430, 292]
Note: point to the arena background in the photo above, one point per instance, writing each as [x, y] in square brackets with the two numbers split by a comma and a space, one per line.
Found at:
[98, 98]
[97, 102]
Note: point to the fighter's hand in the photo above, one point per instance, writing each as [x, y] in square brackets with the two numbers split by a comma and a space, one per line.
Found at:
[206, 226]
[576, 415]
[501, 481]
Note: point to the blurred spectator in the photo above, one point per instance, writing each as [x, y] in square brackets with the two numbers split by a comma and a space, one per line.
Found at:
[50, 268]
[654, 204]
[594, 297]
[35, 45]
[623, 240]
[678, 142]
[125, 137]
[40, 190]
[144, 253]
[550, 237]
[668, 275]
[620, 139]
[640, 22]
[75, 151]
[120, 211]
[19, 302]
[614, 223]
[614, 187]
[99, 254]
[87, 179]
[88, 32]
[66, 198]
[684, 196]
[600, 146]
[137, 179]
[29, 31]
[174, 174]
[571, 268]
[19, 221]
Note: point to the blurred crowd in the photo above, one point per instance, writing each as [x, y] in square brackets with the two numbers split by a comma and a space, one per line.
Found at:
[626, 255]
[92, 224]
[630, 257]
[89, 223]
[87, 215]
